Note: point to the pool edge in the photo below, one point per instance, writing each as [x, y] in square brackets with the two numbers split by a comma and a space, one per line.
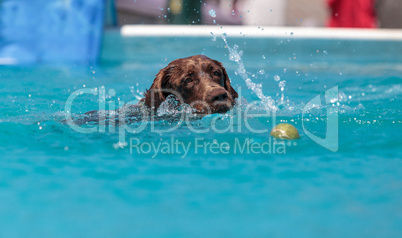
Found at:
[261, 32]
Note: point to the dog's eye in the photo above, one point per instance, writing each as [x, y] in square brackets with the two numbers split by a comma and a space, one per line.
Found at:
[187, 80]
[217, 73]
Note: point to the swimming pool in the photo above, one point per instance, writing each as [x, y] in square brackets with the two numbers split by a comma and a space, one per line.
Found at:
[58, 182]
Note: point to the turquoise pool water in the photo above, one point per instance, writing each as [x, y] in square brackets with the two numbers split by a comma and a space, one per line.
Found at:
[56, 182]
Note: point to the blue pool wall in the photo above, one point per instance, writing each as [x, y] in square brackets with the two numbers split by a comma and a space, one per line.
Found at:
[50, 30]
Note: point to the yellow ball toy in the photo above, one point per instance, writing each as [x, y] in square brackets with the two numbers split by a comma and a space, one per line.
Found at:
[285, 131]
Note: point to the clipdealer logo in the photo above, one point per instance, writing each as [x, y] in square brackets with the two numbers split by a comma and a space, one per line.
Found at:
[242, 114]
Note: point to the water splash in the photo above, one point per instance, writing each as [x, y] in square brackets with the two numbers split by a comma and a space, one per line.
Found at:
[282, 87]
[136, 93]
[213, 37]
[235, 55]
[172, 107]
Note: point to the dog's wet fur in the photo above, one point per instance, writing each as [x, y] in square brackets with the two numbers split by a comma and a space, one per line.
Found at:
[197, 80]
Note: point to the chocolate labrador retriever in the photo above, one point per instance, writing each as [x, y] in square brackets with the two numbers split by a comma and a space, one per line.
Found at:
[197, 80]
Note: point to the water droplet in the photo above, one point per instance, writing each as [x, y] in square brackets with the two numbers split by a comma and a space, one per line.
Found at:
[263, 56]
[277, 78]
[212, 13]
[282, 84]
[261, 72]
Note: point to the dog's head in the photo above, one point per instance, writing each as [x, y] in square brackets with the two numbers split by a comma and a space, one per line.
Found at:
[198, 81]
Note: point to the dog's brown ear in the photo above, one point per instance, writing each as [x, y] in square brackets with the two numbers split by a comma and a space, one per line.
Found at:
[155, 95]
[227, 81]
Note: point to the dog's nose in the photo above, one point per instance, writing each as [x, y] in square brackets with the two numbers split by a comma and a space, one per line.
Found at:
[219, 96]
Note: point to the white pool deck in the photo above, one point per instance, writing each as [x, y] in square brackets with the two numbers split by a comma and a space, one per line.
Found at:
[262, 32]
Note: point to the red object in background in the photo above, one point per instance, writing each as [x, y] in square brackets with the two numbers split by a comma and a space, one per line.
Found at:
[352, 13]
